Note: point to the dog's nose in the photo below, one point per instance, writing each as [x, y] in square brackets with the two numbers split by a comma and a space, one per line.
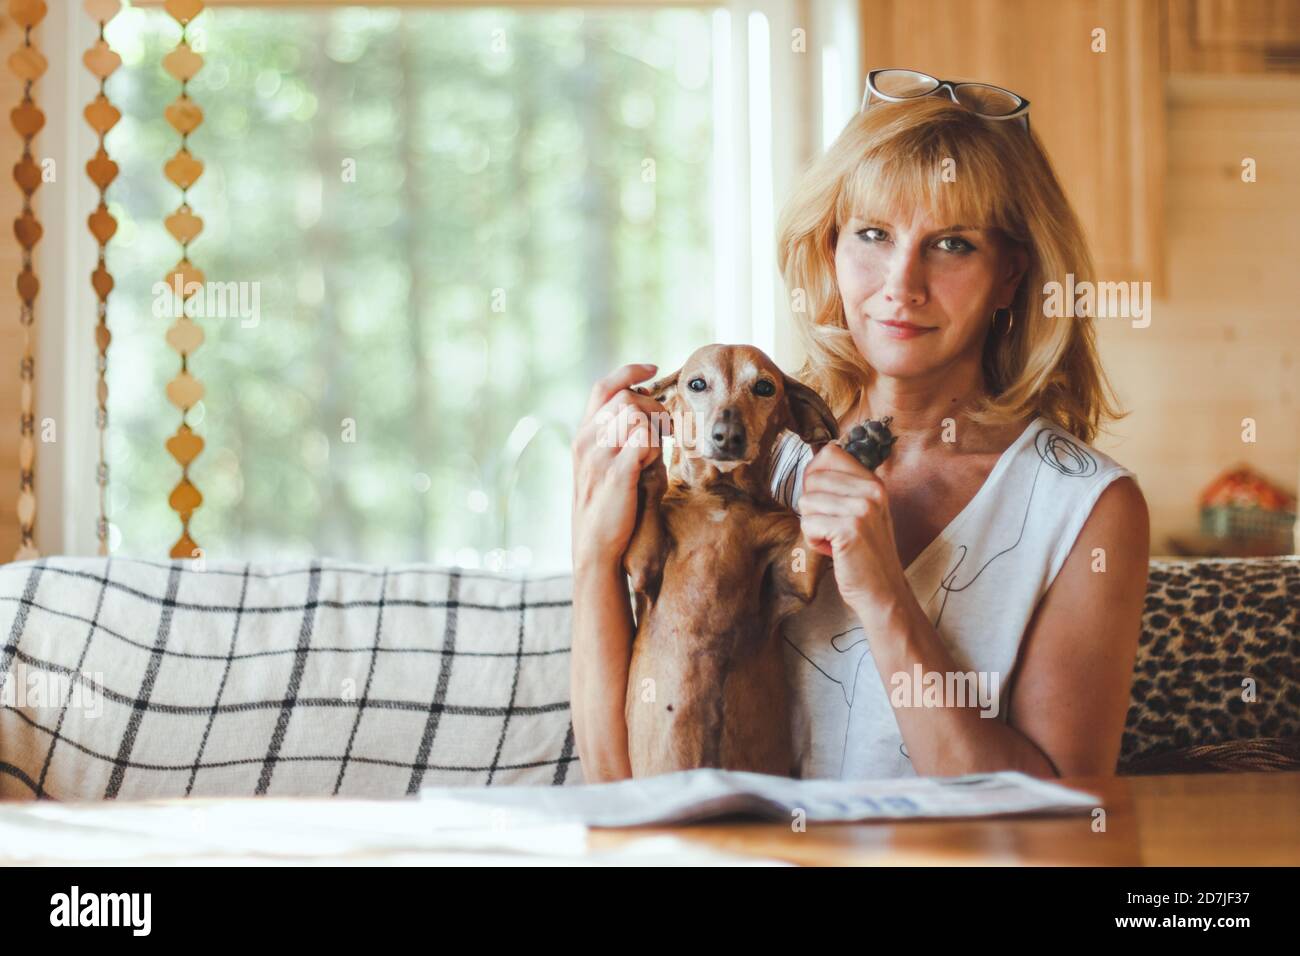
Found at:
[728, 433]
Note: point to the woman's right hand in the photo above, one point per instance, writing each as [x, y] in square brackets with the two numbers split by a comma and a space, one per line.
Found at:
[617, 438]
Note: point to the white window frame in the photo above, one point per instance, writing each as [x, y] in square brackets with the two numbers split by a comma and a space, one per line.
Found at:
[773, 114]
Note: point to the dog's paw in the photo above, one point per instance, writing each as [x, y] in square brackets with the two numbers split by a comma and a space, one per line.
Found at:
[869, 442]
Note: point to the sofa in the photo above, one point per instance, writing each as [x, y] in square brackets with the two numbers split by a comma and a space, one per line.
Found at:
[133, 679]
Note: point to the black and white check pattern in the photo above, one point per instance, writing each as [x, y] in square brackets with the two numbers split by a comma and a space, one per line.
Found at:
[329, 678]
[321, 678]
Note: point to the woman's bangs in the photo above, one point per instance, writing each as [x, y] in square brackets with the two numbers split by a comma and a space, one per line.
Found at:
[888, 185]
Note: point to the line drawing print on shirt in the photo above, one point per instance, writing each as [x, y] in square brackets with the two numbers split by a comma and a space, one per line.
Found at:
[850, 693]
[1055, 450]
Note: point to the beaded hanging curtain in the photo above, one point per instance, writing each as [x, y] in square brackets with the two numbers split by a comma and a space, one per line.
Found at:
[28, 65]
[185, 279]
[102, 117]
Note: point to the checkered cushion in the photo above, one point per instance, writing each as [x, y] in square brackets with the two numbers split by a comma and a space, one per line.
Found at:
[329, 678]
[306, 679]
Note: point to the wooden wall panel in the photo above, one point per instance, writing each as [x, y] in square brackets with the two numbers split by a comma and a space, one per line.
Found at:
[1225, 345]
[1233, 36]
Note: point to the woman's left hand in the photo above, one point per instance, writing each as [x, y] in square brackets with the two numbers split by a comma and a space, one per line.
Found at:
[844, 513]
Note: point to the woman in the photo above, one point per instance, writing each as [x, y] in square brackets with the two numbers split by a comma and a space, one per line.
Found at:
[995, 565]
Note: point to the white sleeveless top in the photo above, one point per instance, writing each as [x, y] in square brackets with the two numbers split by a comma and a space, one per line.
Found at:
[979, 582]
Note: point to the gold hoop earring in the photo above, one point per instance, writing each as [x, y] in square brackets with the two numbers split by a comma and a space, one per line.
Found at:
[1011, 319]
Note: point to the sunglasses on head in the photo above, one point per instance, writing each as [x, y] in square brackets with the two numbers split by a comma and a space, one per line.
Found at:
[984, 99]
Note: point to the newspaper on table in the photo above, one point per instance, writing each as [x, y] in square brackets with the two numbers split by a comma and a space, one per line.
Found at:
[693, 795]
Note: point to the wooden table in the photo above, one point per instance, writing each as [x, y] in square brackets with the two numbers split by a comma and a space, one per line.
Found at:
[1200, 820]
[1239, 819]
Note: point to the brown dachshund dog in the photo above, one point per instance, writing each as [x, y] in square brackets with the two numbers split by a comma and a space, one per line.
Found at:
[717, 564]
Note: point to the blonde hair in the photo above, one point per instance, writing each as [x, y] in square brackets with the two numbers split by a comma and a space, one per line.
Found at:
[890, 160]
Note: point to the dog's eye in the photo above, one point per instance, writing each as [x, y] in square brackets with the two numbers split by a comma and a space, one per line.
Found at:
[764, 388]
[697, 385]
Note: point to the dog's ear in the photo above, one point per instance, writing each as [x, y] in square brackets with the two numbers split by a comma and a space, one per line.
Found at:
[662, 390]
[811, 417]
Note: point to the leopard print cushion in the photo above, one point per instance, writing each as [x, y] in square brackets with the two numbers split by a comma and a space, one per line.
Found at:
[1209, 626]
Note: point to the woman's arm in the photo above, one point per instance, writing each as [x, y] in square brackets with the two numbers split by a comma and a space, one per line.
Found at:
[620, 435]
[602, 652]
[1070, 693]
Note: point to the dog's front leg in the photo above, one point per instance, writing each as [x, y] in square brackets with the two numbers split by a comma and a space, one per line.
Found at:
[644, 558]
[796, 568]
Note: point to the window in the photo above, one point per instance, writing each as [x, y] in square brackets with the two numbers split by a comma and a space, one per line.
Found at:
[445, 224]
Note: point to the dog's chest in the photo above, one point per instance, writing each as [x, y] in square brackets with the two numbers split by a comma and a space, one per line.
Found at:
[716, 538]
